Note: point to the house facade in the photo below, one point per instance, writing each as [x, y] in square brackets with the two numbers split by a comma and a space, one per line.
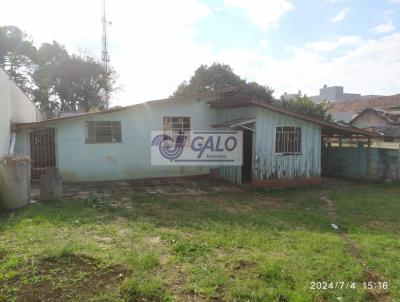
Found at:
[279, 146]
[346, 110]
[385, 124]
[16, 107]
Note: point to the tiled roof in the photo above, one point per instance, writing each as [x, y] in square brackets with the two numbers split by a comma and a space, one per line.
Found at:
[382, 102]
[389, 117]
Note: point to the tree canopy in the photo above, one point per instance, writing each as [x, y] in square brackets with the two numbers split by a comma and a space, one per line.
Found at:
[17, 55]
[219, 76]
[53, 78]
[303, 104]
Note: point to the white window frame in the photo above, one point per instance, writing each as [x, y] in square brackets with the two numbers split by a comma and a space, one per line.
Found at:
[89, 142]
[173, 135]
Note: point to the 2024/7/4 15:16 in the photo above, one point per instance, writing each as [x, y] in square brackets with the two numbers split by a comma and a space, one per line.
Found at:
[324, 285]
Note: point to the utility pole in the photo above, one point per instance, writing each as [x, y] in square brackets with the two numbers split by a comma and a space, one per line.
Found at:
[105, 57]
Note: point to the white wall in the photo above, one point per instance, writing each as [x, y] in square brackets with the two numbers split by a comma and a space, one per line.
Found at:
[15, 107]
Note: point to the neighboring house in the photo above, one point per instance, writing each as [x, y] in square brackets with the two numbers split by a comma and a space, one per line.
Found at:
[290, 96]
[334, 94]
[346, 110]
[280, 146]
[386, 124]
[15, 107]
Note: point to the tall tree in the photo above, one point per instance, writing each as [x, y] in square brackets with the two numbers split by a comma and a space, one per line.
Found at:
[219, 76]
[54, 79]
[49, 58]
[17, 55]
[81, 83]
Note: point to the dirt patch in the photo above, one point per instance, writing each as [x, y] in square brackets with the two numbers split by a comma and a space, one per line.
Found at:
[3, 255]
[69, 278]
[180, 281]
[154, 240]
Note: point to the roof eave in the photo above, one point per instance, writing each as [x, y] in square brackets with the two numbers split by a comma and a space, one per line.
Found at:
[220, 104]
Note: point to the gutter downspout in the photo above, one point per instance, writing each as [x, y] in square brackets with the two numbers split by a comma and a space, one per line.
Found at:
[12, 143]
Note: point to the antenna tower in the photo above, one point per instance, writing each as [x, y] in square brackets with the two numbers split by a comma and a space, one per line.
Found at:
[105, 56]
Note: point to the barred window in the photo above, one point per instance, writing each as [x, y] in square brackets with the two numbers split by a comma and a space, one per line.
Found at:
[177, 125]
[103, 132]
[288, 140]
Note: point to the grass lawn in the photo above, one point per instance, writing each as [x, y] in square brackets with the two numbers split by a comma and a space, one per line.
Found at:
[217, 245]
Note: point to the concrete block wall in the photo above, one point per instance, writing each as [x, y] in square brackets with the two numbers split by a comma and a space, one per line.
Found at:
[363, 163]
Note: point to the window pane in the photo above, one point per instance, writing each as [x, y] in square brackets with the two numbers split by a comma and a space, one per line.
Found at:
[174, 125]
[103, 132]
[288, 140]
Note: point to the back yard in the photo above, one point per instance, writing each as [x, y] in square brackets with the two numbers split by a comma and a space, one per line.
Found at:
[204, 241]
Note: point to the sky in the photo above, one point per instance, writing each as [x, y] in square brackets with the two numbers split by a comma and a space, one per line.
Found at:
[288, 45]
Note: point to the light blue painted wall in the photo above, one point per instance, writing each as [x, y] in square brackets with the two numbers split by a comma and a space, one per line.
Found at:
[130, 159]
[269, 165]
[234, 173]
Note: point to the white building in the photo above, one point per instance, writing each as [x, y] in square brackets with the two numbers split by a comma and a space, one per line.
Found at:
[15, 107]
[334, 94]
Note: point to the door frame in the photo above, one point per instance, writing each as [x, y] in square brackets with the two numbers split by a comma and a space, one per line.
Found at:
[247, 165]
[37, 171]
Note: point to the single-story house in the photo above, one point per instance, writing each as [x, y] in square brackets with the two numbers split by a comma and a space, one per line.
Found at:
[346, 110]
[384, 124]
[280, 146]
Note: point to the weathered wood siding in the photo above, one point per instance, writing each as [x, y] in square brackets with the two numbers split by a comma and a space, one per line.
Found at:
[233, 173]
[270, 166]
[224, 115]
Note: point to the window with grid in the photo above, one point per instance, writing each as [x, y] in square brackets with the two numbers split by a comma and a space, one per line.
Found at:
[288, 140]
[103, 132]
[177, 125]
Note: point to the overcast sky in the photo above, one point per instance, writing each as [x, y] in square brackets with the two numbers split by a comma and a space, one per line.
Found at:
[285, 44]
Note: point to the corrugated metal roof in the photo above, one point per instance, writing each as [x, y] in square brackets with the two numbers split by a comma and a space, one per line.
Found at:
[243, 101]
[390, 131]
